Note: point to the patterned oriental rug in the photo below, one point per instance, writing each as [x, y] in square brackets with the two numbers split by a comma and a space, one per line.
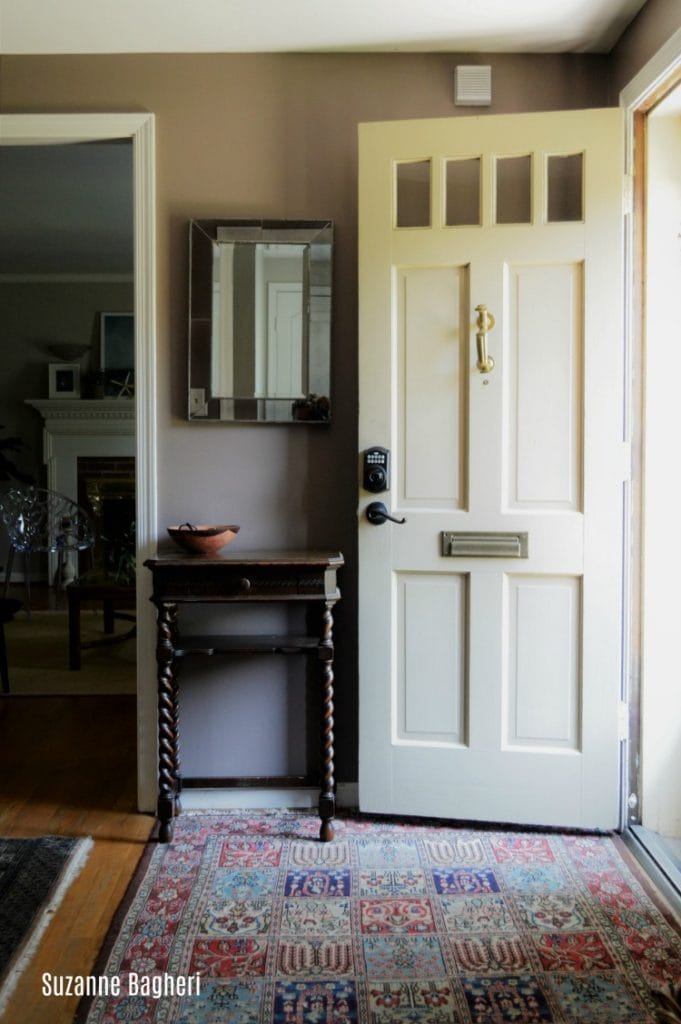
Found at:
[389, 924]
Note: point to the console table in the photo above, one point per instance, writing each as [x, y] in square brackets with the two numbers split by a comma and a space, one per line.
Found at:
[253, 578]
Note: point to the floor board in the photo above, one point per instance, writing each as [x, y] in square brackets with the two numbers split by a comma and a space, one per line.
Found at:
[67, 767]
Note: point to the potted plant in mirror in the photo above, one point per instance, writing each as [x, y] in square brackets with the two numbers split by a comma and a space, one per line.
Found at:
[314, 407]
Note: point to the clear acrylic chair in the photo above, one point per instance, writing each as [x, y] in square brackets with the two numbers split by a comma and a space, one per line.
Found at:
[38, 520]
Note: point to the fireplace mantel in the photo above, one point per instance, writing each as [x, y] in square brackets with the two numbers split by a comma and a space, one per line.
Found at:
[78, 427]
[91, 416]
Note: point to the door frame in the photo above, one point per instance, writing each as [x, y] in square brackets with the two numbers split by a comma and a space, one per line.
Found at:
[654, 80]
[52, 129]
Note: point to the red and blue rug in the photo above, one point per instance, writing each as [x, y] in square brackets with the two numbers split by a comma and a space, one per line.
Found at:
[389, 924]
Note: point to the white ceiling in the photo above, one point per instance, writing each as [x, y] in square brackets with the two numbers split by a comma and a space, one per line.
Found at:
[181, 26]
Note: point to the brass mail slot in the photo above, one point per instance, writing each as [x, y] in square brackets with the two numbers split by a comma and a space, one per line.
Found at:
[484, 545]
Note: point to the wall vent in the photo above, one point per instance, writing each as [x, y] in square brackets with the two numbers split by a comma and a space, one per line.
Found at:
[473, 85]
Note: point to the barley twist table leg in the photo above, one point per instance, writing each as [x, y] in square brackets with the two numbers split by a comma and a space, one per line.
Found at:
[176, 714]
[167, 720]
[327, 798]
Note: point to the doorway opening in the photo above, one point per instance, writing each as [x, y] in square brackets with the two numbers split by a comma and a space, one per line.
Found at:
[52, 129]
[67, 255]
[653, 808]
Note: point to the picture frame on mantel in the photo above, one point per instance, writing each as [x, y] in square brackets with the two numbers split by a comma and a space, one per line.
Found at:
[116, 341]
[64, 380]
[117, 353]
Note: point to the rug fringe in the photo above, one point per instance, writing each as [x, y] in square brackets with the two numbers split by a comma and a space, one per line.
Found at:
[24, 954]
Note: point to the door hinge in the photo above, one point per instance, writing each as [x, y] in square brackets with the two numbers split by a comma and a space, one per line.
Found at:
[622, 720]
[628, 194]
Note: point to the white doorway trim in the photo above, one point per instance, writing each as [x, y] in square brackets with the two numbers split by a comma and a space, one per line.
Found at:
[651, 76]
[51, 129]
[658, 76]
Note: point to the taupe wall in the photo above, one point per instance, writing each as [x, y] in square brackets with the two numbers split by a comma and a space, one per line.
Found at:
[655, 23]
[271, 136]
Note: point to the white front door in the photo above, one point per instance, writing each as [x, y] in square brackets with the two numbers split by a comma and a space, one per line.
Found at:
[490, 664]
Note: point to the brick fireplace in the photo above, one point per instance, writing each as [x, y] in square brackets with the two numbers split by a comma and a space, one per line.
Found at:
[106, 489]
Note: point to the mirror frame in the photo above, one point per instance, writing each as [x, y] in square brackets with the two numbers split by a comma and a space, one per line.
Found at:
[202, 404]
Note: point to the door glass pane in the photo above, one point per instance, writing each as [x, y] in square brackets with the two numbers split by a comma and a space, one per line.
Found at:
[564, 188]
[413, 194]
[514, 190]
[463, 192]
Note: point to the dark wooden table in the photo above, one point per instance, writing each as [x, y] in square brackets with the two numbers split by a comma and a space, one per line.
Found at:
[253, 578]
[8, 608]
[113, 596]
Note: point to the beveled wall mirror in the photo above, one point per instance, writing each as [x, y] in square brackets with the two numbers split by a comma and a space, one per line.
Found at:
[260, 320]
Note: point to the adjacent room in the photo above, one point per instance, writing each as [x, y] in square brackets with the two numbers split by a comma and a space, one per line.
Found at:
[67, 297]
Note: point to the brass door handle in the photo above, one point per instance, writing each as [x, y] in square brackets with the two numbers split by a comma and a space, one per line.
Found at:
[484, 323]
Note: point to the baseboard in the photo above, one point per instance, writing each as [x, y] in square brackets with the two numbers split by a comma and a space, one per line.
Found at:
[239, 797]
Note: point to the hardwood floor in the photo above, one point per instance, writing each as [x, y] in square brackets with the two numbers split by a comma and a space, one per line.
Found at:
[67, 767]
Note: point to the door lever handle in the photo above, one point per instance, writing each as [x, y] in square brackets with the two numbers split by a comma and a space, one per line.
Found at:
[377, 513]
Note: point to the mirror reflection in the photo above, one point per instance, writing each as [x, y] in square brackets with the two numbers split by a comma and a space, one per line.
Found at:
[260, 320]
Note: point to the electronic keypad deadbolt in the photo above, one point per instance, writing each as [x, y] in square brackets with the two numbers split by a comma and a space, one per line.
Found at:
[376, 470]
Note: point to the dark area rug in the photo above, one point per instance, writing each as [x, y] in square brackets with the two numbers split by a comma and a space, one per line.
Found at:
[34, 875]
[389, 924]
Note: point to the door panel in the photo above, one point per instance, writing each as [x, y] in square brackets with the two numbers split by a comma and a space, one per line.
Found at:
[543, 708]
[432, 613]
[544, 428]
[489, 685]
[431, 386]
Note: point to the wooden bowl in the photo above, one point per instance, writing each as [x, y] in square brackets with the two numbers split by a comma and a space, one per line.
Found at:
[203, 539]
